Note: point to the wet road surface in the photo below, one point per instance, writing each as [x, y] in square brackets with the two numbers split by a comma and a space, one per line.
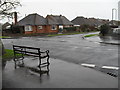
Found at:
[73, 48]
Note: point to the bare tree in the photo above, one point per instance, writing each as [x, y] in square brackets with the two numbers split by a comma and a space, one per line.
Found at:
[6, 7]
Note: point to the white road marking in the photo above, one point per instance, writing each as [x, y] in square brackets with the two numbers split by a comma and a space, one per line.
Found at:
[88, 65]
[110, 67]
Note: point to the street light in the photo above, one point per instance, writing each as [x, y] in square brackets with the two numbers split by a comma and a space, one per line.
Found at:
[113, 14]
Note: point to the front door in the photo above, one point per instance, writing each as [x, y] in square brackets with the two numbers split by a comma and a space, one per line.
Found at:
[60, 28]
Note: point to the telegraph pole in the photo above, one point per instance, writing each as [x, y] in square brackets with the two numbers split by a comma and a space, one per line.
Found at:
[113, 14]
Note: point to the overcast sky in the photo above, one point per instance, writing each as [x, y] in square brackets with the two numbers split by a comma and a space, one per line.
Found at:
[70, 8]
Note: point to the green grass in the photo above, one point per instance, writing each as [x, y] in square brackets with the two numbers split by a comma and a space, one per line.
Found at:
[73, 33]
[91, 35]
[70, 33]
[9, 54]
[5, 37]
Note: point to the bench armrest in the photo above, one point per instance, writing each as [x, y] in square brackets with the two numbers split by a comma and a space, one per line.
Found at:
[47, 51]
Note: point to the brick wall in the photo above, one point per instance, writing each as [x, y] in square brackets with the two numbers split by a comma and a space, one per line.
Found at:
[49, 29]
[45, 29]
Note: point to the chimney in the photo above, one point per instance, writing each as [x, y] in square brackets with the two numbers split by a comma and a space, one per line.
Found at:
[15, 18]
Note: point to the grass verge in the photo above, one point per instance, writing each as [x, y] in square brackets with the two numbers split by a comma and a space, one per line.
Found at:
[4, 37]
[52, 35]
[91, 35]
[9, 54]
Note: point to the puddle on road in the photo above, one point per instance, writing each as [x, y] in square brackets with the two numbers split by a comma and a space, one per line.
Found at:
[62, 41]
[110, 49]
[97, 42]
[69, 37]
[87, 47]
[59, 37]
[75, 47]
[45, 40]
[79, 47]
[64, 37]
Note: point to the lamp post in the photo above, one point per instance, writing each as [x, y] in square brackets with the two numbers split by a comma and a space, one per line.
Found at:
[113, 14]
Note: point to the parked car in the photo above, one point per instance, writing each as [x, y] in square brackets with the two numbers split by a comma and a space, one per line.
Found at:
[116, 31]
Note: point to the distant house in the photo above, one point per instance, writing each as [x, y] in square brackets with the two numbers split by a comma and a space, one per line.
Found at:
[34, 23]
[80, 21]
[6, 26]
[88, 21]
[58, 21]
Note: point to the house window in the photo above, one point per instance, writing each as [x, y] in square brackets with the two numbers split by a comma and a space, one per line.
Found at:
[53, 27]
[40, 27]
[60, 27]
[28, 28]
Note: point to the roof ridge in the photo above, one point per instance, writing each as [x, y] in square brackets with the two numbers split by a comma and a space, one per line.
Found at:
[35, 19]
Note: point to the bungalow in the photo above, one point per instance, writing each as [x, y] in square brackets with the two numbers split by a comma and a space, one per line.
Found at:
[34, 23]
[6, 26]
[88, 21]
[59, 20]
[80, 21]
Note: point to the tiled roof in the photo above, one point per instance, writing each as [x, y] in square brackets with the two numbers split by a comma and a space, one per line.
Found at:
[80, 21]
[33, 19]
[58, 19]
[88, 21]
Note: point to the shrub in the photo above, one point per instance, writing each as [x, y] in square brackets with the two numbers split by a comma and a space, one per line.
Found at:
[104, 29]
[69, 29]
[85, 28]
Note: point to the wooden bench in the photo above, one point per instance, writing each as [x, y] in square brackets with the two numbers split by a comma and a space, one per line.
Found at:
[21, 51]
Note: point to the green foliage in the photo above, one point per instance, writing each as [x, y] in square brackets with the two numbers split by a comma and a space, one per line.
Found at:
[104, 29]
[91, 35]
[85, 28]
[4, 37]
[88, 28]
[9, 54]
[16, 29]
[70, 28]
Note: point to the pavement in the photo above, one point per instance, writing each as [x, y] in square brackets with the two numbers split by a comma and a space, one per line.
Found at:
[62, 75]
[106, 40]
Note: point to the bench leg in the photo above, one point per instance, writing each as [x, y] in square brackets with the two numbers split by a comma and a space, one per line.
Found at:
[48, 60]
[15, 66]
[22, 61]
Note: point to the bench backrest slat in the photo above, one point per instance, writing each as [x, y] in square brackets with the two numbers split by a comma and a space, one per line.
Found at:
[15, 46]
[26, 50]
